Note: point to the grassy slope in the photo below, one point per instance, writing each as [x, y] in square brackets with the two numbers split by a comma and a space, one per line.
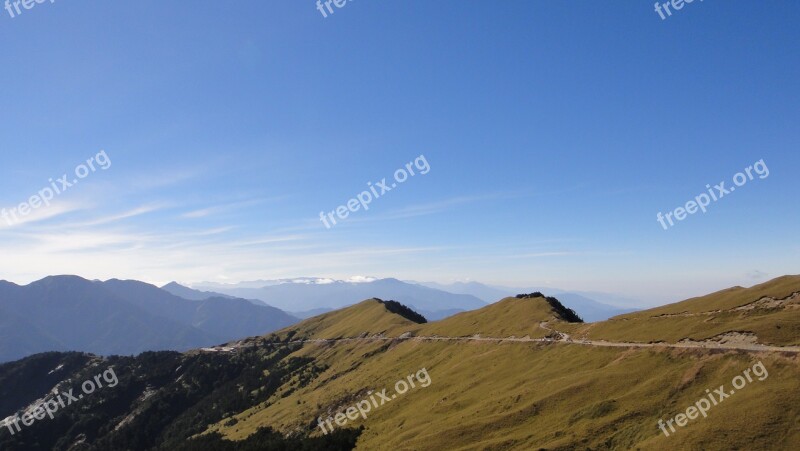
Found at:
[712, 316]
[726, 299]
[370, 317]
[510, 316]
[517, 396]
[530, 396]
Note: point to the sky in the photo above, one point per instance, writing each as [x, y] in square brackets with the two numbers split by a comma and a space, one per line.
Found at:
[550, 134]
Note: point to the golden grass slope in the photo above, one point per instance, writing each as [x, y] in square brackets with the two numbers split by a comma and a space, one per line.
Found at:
[735, 310]
[506, 318]
[514, 396]
[369, 317]
[554, 396]
[727, 299]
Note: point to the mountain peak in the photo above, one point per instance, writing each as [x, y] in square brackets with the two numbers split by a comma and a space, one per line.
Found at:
[61, 279]
[511, 316]
[372, 317]
[402, 310]
[563, 313]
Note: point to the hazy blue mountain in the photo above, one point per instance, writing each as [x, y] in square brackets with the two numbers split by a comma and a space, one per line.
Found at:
[487, 293]
[310, 313]
[68, 312]
[231, 317]
[483, 292]
[589, 309]
[260, 283]
[191, 294]
[609, 298]
[439, 314]
[310, 294]
[120, 317]
[227, 317]
[20, 337]
[197, 295]
[591, 306]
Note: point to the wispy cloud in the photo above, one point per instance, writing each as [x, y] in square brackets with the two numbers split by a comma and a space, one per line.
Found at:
[231, 206]
[269, 239]
[164, 178]
[41, 214]
[439, 206]
[428, 208]
[144, 209]
[543, 254]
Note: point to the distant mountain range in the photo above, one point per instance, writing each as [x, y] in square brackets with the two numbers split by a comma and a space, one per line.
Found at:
[64, 313]
[310, 296]
[591, 306]
[318, 294]
[519, 374]
[68, 313]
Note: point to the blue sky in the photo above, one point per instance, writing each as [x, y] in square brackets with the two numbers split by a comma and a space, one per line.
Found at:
[554, 131]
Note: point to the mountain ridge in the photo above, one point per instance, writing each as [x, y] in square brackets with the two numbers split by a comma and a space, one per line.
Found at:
[490, 385]
[120, 317]
[304, 297]
[584, 303]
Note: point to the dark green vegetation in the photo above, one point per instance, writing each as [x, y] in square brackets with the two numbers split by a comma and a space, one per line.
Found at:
[265, 439]
[495, 382]
[567, 314]
[162, 400]
[405, 312]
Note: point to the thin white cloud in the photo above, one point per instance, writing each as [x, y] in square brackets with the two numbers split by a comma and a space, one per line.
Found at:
[423, 209]
[221, 208]
[118, 217]
[439, 206]
[269, 239]
[543, 254]
[198, 213]
[164, 178]
[40, 214]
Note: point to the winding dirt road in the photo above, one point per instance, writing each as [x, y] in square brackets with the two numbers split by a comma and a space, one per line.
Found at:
[791, 301]
[561, 338]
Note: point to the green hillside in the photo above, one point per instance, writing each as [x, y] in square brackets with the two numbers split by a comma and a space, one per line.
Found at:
[370, 317]
[508, 317]
[513, 396]
[780, 288]
[770, 311]
[546, 388]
